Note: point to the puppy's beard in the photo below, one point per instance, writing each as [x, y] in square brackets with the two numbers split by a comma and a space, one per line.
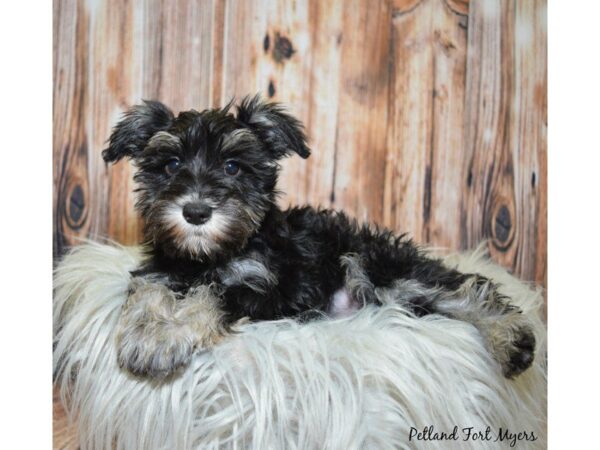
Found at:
[197, 241]
[228, 228]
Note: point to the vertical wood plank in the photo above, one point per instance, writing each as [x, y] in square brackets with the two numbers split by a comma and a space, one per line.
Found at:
[72, 215]
[443, 175]
[217, 57]
[489, 204]
[423, 177]
[186, 54]
[362, 112]
[327, 34]
[529, 138]
[245, 24]
[410, 124]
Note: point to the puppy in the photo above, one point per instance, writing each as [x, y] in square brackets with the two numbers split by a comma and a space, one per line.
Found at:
[220, 250]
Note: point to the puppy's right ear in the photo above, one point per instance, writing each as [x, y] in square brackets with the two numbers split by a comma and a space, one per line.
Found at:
[138, 125]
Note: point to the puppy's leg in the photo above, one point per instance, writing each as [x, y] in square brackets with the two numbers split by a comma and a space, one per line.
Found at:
[356, 280]
[507, 333]
[402, 272]
[158, 330]
[357, 291]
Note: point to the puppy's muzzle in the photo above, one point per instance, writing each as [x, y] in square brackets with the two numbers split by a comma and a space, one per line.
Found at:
[197, 213]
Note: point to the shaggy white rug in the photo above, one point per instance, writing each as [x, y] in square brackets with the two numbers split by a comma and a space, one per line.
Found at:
[370, 381]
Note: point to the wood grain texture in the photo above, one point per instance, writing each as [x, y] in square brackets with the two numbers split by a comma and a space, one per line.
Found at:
[360, 151]
[505, 146]
[425, 116]
[425, 147]
[70, 142]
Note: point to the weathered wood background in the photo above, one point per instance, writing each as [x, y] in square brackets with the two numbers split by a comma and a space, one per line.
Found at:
[426, 116]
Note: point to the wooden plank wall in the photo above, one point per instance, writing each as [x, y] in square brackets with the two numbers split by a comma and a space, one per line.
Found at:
[425, 116]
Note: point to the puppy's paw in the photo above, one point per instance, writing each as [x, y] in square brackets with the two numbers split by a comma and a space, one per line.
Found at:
[512, 343]
[158, 332]
[151, 340]
[156, 350]
[508, 333]
[521, 353]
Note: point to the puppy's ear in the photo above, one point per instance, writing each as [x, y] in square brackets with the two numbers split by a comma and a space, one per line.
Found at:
[281, 132]
[138, 125]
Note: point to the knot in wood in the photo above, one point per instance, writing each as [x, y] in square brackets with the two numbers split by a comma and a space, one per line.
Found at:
[283, 48]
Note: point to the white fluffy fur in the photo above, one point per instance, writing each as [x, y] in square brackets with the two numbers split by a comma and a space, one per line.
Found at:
[353, 383]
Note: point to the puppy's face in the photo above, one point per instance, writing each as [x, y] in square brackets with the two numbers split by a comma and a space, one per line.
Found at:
[205, 180]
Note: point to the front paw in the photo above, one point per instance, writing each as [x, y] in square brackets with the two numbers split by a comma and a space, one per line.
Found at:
[151, 340]
[154, 351]
[158, 332]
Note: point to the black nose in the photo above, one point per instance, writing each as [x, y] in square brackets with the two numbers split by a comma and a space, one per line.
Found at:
[197, 213]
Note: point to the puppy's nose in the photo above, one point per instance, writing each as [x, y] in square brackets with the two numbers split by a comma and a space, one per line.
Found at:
[197, 213]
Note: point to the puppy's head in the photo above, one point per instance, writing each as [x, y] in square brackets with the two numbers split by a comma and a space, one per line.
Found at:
[205, 180]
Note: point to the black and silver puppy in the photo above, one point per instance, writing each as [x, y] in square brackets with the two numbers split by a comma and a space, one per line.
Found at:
[221, 251]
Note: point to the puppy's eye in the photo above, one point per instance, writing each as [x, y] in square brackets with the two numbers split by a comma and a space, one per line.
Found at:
[172, 166]
[232, 168]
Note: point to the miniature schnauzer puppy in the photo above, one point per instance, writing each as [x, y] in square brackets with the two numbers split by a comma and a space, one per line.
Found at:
[220, 250]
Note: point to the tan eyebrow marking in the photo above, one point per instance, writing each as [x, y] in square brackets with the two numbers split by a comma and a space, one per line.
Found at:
[164, 138]
[236, 137]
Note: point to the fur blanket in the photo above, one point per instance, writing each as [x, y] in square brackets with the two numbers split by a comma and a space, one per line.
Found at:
[369, 381]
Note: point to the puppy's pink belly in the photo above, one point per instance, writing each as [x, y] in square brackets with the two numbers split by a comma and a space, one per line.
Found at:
[342, 304]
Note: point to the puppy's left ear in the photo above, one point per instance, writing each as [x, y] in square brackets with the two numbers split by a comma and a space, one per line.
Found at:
[282, 133]
[138, 125]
